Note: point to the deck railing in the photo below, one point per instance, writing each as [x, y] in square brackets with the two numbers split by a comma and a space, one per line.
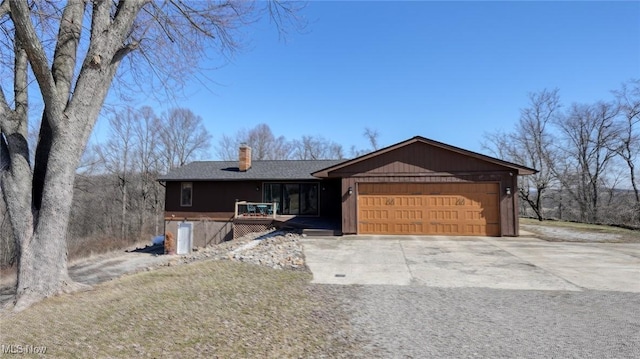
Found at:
[246, 209]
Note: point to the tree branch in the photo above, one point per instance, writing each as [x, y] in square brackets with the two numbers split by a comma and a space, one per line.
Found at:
[4, 108]
[127, 12]
[4, 8]
[186, 11]
[20, 81]
[100, 18]
[65, 55]
[124, 51]
[37, 58]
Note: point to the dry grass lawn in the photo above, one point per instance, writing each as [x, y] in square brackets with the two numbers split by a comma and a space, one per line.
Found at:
[545, 230]
[208, 309]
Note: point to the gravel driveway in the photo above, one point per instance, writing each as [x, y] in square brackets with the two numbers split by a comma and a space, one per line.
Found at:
[426, 322]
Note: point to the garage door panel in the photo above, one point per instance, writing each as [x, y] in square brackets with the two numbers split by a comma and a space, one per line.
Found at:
[375, 214]
[475, 229]
[372, 228]
[409, 228]
[473, 216]
[444, 229]
[408, 214]
[414, 201]
[444, 215]
[372, 201]
[421, 208]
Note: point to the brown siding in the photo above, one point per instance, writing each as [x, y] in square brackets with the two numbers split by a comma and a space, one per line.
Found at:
[217, 199]
[513, 200]
[417, 159]
[213, 196]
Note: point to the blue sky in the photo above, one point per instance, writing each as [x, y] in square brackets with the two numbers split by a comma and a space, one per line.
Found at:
[449, 71]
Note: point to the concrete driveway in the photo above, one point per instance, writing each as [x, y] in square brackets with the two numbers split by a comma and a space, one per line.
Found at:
[506, 263]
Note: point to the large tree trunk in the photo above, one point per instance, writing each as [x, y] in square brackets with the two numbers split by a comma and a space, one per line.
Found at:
[42, 270]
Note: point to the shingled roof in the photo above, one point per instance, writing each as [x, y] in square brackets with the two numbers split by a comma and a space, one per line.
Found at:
[260, 170]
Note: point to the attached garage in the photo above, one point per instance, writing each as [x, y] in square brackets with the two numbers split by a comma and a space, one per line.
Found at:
[429, 208]
[425, 187]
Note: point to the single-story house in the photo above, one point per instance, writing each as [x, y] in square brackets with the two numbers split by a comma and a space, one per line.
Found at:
[415, 187]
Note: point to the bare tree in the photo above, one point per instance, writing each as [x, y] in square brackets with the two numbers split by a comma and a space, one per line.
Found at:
[531, 144]
[589, 133]
[147, 164]
[316, 148]
[116, 155]
[183, 137]
[131, 156]
[92, 40]
[372, 136]
[261, 140]
[628, 148]
[336, 151]
[280, 149]
[227, 148]
[264, 145]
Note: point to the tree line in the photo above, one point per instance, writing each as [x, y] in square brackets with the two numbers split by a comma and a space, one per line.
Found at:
[585, 154]
[266, 146]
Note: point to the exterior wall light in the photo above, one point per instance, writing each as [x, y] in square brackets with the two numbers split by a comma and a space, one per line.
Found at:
[508, 190]
[350, 191]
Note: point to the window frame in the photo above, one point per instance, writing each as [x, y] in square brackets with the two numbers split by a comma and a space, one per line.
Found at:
[281, 192]
[186, 186]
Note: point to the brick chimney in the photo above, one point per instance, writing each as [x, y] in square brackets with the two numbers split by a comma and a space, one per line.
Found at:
[245, 158]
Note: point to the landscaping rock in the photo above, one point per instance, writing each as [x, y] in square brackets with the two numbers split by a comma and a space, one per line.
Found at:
[273, 249]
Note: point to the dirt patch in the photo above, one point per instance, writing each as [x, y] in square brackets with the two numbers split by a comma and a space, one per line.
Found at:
[95, 269]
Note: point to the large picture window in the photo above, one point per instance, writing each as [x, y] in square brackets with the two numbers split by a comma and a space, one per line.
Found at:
[293, 198]
[186, 194]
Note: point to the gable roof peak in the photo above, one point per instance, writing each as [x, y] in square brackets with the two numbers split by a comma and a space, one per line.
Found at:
[519, 169]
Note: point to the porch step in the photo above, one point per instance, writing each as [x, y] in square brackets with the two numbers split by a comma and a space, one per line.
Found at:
[314, 232]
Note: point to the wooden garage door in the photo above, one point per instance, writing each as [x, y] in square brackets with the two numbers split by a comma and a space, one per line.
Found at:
[429, 208]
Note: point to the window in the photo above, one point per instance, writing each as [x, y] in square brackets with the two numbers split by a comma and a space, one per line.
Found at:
[186, 194]
[293, 198]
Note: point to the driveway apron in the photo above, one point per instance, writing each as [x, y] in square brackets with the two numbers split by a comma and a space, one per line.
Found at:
[485, 262]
